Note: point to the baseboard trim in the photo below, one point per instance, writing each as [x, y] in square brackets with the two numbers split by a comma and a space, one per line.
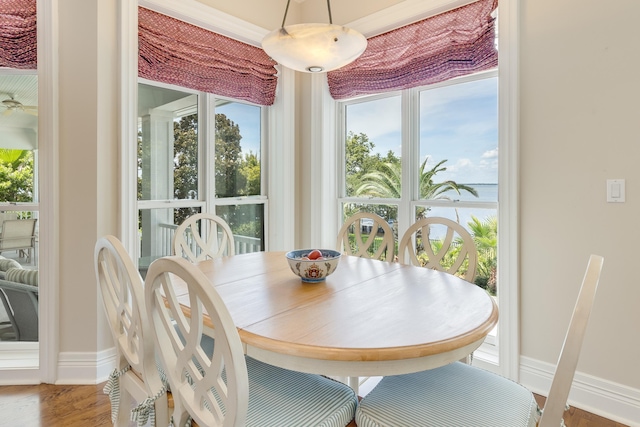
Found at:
[611, 400]
[85, 368]
[19, 355]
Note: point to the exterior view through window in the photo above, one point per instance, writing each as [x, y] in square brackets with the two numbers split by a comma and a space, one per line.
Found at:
[18, 202]
[438, 157]
[191, 162]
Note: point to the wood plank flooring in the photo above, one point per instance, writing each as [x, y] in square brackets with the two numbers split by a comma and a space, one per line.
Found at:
[48, 405]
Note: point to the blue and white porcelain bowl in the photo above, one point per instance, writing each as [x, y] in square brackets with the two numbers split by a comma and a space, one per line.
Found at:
[313, 270]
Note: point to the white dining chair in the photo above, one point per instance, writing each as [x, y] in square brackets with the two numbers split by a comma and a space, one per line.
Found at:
[203, 236]
[462, 395]
[376, 230]
[227, 388]
[136, 377]
[454, 248]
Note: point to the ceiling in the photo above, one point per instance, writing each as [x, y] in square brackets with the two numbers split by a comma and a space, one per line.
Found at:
[18, 130]
[24, 89]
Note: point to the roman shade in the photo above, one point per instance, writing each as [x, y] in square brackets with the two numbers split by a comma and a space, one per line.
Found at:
[451, 44]
[176, 52]
[18, 34]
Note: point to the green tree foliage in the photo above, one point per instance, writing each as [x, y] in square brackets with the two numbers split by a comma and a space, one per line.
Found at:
[228, 157]
[250, 170]
[16, 175]
[485, 236]
[429, 189]
[185, 147]
[235, 175]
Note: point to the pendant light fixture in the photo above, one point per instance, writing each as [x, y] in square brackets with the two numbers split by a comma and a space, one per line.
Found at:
[314, 48]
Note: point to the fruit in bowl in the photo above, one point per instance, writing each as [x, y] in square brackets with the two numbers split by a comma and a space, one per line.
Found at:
[313, 265]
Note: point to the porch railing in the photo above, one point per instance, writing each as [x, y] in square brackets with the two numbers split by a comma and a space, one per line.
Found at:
[242, 244]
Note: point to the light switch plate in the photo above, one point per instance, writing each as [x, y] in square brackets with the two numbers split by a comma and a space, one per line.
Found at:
[615, 191]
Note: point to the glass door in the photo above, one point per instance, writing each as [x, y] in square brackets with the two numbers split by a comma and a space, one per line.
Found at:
[18, 217]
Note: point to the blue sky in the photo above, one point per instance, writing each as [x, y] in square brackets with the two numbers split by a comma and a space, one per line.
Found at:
[458, 123]
[248, 118]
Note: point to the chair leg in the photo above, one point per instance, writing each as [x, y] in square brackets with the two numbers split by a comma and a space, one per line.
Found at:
[124, 408]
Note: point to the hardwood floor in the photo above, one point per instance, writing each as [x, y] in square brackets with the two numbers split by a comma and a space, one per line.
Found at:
[48, 405]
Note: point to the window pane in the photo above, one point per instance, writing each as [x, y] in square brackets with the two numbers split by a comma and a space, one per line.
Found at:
[373, 148]
[167, 144]
[459, 141]
[237, 149]
[19, 137]
[482, 224]
[247, 225]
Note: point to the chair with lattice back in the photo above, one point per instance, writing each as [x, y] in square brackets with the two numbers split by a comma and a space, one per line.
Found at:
[136, 376]
[227, 387]
[455, 252]
[373, 237]
[203, 236]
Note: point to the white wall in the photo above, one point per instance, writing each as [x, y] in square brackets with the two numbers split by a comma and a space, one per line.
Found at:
[579, 127]
[88, 174]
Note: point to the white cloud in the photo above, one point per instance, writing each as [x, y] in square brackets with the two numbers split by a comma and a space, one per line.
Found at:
[490, 154]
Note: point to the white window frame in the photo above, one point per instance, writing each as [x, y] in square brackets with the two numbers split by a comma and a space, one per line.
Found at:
[506, 358]
[207, 201]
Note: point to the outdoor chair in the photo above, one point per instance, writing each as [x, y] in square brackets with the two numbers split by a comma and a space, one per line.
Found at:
[462, 395]
[18, 235]
[8, 215]
[136, 377]
[203, 236]
[370, 225]
[20, 303]
[228, 388]
[448, 254]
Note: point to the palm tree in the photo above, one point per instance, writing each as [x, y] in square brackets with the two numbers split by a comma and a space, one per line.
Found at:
[432, 190]
[12, 157]
[485, 236]
[385, 182]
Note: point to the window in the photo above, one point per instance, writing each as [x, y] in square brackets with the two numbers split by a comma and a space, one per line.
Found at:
[429, 151]
[19, 198]
[197, 153]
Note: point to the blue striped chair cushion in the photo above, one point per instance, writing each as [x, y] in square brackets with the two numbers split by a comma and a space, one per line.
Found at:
[279, 397]
[455, 395]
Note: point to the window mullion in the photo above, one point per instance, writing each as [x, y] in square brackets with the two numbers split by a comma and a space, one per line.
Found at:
[409, 164]
[206, 154]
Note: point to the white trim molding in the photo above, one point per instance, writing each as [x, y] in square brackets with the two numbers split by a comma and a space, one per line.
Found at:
[197, 13]
[19, 363]
[48, 318]
[86, 367]
[605, 398]
[508, 190]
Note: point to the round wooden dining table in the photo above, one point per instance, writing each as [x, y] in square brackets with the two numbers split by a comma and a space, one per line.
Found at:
[368, 318]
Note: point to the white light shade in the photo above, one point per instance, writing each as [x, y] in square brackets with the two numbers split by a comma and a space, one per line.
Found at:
[314, 48]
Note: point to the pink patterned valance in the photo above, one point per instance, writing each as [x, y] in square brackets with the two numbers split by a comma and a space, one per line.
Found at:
[173, 51]
[452, 44]
[18, 34]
